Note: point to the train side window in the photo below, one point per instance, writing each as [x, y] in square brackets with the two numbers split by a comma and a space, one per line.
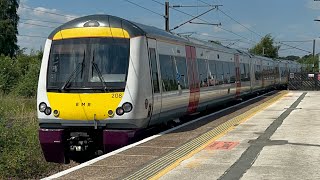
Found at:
[232, 72]
[154, 70]
[182, 75]
[168, 73]
[243, 72]
[247, 69]
[212, 73]
[258, 72]
[265, 72]
[203, 72]
[283, 72]
[226, 70]
[219, 70]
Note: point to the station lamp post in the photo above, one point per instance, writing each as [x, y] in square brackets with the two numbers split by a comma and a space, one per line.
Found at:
[318, 20]
[314, 45]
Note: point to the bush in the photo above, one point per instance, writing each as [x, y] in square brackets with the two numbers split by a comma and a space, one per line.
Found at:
[20, 152]
[27, 85]
[19, 75]
[8, 74]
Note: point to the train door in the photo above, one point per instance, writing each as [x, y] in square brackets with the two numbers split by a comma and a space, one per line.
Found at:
[238, 75]
[263, 73]
[193, 79]
[259, 69]
[155, 80]
[252, 70]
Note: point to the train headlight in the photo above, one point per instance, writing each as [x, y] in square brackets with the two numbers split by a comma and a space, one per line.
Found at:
[56, 113]
[42, 107]
[47, 111]
[110, 113]
[119, 111]
[91, 24]
[127, 107]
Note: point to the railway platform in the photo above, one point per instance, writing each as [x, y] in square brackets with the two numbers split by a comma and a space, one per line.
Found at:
[273, 136]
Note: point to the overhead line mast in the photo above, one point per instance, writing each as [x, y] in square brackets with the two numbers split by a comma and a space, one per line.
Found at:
[167, 15]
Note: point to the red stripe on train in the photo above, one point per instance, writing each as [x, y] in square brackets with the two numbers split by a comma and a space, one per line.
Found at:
[238, 75]
[193, 79]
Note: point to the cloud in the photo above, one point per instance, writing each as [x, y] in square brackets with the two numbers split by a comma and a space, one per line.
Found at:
[239, 28]
[38, 21]
[42, 13]
[314, 5]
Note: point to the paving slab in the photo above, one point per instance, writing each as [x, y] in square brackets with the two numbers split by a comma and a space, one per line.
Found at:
[280, 142]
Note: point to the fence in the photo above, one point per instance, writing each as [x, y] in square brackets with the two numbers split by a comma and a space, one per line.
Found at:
[304, 81]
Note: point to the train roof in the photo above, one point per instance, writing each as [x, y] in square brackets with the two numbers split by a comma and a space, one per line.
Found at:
[136, 29]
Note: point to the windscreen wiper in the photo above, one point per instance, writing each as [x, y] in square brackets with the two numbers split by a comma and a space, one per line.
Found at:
[105, 87]
[74, 73]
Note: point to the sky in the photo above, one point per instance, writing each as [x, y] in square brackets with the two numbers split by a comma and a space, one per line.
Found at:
[243, 22]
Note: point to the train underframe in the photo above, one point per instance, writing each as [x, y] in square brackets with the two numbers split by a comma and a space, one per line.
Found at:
[61, 145]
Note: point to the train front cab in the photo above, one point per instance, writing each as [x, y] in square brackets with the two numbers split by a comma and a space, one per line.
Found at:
[94, 88]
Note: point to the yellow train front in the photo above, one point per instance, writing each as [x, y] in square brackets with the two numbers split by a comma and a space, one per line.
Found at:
[93, 91]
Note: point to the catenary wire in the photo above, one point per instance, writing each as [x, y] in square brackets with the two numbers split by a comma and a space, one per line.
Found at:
[144, 8]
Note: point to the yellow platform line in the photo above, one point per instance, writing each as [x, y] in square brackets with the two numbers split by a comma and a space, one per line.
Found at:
[163, 165]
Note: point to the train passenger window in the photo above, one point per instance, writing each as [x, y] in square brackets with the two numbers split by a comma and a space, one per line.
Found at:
[226, 70]
[242, 72]
[257, 72]
[247, 69]
[283, 72]
[268, 73]
[182, 75]
[168, 73]
[219, 70]
[276, 72]
[154, 70]
[245, 72]
[212, 73]
[203, 72]
[232, 72]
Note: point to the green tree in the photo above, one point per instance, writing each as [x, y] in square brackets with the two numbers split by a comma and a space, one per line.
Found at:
[290, 57]
[310, 61]
[266, 47]
[8, 27]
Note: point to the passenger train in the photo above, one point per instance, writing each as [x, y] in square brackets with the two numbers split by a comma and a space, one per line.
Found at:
[103, 79]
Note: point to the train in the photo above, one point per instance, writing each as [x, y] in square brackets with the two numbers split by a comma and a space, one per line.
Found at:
[103, 79]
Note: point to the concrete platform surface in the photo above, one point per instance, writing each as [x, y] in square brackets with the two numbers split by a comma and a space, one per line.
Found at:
[280, 142]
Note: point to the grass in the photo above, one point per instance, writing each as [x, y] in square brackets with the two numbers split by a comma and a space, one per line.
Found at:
[20, 152]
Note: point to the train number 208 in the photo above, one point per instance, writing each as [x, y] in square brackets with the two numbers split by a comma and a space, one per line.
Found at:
[116, 95]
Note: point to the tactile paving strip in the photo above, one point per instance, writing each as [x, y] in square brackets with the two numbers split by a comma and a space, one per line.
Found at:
[164, 164]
